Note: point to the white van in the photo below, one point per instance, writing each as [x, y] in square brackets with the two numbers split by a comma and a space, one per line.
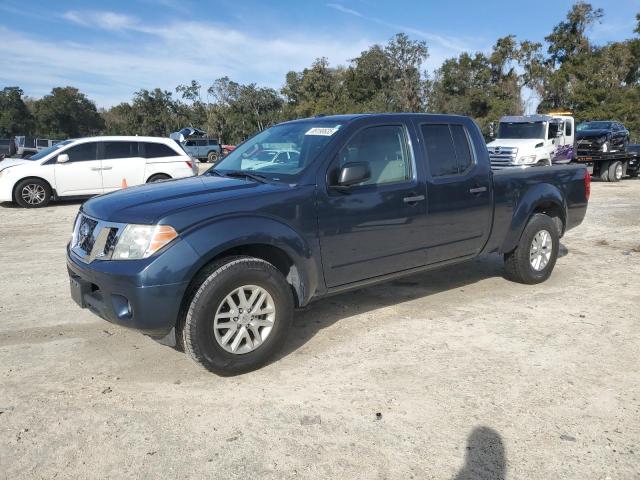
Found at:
[91, 166]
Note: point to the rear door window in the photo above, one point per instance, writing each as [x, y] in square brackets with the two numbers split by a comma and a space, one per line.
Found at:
[448, 149]
[114, 150]
[157, 150]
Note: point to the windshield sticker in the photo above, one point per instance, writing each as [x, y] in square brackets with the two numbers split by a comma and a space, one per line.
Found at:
[324, 132]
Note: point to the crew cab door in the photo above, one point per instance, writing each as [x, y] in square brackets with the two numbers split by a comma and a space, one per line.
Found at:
[82, 173]
[377, 226]
[121, 164]
[459, 191]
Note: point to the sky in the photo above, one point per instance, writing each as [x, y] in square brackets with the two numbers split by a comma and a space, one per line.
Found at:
[112, 48]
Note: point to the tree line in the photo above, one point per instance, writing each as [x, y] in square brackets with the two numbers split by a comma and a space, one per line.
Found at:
[571, 74]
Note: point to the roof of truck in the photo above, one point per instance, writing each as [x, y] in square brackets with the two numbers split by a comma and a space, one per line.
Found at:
[353, 116]
[525, 118]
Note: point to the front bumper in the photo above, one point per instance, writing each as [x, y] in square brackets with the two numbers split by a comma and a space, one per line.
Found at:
[6, 190]
[118, 291]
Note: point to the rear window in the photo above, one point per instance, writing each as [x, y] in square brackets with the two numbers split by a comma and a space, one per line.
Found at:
[120, 150]
[448, 149]
[213, 142]
[156, 150]
[4, 141]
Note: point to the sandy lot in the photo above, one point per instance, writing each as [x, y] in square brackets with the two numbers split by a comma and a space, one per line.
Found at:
[456, 373]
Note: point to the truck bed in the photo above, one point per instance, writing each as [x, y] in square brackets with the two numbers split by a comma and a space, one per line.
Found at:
[519, 191]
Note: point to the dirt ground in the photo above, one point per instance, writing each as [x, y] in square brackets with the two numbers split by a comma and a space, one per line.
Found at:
[456, 373]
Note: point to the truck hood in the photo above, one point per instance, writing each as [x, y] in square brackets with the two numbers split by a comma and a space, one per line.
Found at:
[12, 162]
[519, 143]
[147, 204]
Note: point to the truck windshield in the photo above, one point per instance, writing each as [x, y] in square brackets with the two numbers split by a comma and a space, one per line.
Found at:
[47, 151]
[280, 153]
[521, 130]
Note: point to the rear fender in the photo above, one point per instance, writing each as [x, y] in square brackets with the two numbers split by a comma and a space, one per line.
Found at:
[536, 198]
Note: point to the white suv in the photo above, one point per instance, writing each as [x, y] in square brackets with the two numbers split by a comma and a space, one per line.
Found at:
[91, 166]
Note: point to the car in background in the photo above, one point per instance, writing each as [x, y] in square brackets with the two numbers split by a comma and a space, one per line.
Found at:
[601, 137]
[198, 145]
[7, 147]
[26, 146]
[206, 150]
[91, 166]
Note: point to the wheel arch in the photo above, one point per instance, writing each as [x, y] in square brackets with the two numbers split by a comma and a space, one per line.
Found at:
[542, 198]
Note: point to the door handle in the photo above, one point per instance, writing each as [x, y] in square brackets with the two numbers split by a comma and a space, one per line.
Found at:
[95, 169]
[107, 168]
[477, 190]
[413, 200]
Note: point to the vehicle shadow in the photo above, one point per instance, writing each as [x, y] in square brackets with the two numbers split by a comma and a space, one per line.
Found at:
[318, 315]
[309, 320]
[485, 457]
[57, 203]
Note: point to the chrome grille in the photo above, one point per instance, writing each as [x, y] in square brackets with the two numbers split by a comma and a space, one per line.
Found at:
[94, 239]
[503, 156]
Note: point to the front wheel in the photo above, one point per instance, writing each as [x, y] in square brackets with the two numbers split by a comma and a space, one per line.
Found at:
[33, 193]
[239, 317]
[535, 256]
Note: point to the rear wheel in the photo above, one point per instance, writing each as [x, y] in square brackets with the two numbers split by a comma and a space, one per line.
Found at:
[616, 171]
[239, 316]
[212, 157]
[158, 177]
[32, 193]
[535, 256]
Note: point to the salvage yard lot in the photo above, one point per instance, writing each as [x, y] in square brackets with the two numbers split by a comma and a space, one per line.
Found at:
[391, 381]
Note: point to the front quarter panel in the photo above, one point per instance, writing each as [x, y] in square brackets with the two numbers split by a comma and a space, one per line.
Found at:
[286, 221]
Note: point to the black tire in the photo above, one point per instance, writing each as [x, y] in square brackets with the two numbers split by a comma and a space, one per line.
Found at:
[32, 193]
[616, 171]
[212, 288]
[212, 157]
[604, 171]
[518, 265]
[158, 177]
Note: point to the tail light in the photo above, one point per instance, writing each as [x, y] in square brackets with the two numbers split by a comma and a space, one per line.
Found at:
[190, 165]
[587, 184]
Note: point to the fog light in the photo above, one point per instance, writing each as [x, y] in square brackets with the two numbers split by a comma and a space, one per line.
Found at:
[121, 307]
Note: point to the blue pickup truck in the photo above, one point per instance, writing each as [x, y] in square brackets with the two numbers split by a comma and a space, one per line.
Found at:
[216, 264]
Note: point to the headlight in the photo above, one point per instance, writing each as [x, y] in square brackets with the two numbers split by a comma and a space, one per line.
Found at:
[527, 160]
[142, 241]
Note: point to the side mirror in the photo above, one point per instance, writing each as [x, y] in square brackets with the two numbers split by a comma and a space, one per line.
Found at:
[62, 158]
[353, 173]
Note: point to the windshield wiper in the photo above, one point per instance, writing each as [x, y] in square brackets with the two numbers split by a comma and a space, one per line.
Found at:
[242, 173]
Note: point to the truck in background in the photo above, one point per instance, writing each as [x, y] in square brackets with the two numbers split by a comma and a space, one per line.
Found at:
[26, 146]
[533, 140]
[198, 145]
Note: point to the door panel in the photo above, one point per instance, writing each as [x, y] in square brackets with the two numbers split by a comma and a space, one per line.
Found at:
[376, 227]
[459, 195]
[121, 163]
[82, 174]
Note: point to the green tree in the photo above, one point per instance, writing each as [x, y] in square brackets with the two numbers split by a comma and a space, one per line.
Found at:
[15, 118]
[66, 113]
